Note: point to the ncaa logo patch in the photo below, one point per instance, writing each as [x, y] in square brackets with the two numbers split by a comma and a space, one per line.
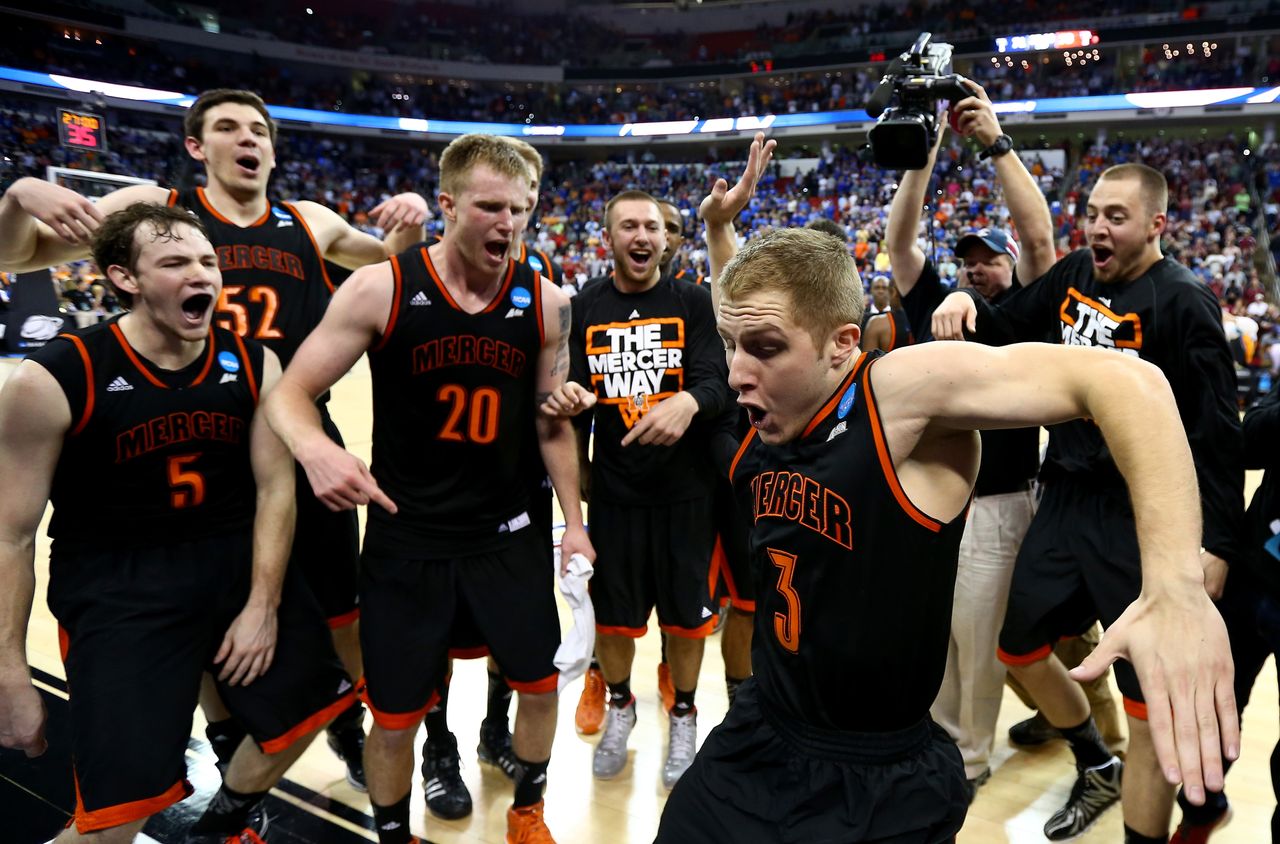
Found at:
[846, 401]
[535, 263]
[521, 298]
[228, 362]
[281, 214]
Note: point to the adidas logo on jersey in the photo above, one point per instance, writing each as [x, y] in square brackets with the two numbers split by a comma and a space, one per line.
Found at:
[227, 376]
[837, 431]
[344, 686]
[706, 613]
[283, 224]
[119, 385]
[420, 298]
[514, 312]
[634, 315]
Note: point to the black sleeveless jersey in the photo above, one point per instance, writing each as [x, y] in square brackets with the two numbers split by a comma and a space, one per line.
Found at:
[540, 262]
[853, 582]
[152, 455]
[275, 286]
[453, 401]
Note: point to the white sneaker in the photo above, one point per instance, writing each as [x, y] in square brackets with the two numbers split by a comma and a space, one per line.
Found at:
[611, 753]
[681, 748]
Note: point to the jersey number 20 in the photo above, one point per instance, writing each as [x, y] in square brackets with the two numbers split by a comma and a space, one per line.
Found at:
[473, 414]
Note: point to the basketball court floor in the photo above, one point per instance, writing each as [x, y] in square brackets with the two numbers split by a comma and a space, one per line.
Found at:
[314, 804]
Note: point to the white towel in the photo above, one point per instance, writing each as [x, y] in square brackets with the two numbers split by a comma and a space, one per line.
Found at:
[574, 654]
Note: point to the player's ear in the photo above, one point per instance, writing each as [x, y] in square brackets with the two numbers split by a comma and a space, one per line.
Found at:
[843, 343]
[195, 148]
[123, 279]
[448, 208]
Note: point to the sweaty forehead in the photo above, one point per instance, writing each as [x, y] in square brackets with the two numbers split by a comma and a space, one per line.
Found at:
[758, 311]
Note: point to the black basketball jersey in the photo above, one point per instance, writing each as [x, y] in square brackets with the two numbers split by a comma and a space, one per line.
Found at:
[275, 286]
[540, 262]
[453, 399]
[853, 582]
[152, 455]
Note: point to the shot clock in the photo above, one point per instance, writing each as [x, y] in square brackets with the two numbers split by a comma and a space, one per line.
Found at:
[82, 130]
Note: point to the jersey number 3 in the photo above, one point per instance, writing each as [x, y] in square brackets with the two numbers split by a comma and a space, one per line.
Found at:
[239, 313]
[786, 626]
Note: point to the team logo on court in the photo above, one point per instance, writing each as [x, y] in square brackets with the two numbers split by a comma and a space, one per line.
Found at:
[1088, 322]
[535, 264]
[846, 403]
[521, 298]
[636, 364]
[228, 362]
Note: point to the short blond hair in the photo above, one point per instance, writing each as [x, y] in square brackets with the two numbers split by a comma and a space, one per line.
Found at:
[530, 154]
[1151, 182]
[811, 267]
[462, 155]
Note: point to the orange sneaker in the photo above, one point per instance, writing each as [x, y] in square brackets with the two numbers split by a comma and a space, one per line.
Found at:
[590, 714]
[526, 825]
[665, 687]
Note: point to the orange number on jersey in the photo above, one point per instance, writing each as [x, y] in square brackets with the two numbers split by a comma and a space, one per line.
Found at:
[239, 321]
[786, 626]
[481, 409]
[186, 485]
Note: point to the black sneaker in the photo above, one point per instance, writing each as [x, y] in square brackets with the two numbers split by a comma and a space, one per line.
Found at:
[447, 795]
[254, 832]
[972, 785]
[1033, 731]
[1096, 789]
[495, 747]
[347, 743]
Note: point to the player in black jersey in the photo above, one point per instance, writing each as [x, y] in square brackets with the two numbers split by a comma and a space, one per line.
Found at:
[673, 225]
[1081, 559]
[888, 329]
[643, 355]
[461, 343]
[142, 432]
[859, 470]
[276, 288]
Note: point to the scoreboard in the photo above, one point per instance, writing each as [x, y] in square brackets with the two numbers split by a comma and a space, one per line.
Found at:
[82, 130]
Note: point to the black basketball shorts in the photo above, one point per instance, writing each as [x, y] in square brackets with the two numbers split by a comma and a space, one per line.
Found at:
[731, 562]
[326, 548]
[654, 556]
[761, 779]
[1079, 563]
[412, 609]
[138, 628]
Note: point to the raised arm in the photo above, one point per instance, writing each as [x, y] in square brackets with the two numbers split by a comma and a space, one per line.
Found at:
[905, 255]
[1027, 205]
[723, 205]
[402, 218]
[357, 316]
[34, 418]
[249, 644]
[43, 224]
[556, 440]
[933, 397]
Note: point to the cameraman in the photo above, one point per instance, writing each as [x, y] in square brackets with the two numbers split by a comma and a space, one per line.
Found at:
[969, 702]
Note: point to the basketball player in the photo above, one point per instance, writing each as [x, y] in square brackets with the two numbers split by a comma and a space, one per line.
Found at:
[143, 433]
[896, 435]
[673, 225]
[447, 795]
[887, 328]
[276, 289]
[1080, 559]
[643, 354]
[461, 340]
[968, 704]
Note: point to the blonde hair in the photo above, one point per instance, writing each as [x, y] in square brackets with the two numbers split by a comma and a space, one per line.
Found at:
[530, 154]
[462, 155]
[1151, 182]
[811, 267]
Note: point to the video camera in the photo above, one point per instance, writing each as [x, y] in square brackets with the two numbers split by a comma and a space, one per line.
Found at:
[919, 78]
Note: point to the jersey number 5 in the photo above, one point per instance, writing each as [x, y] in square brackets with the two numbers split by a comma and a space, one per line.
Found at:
[186, 486]
[479, 406]
[786, 626]
[239, 313]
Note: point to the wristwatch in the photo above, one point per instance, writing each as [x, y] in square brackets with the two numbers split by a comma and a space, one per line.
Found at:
[1002, 145]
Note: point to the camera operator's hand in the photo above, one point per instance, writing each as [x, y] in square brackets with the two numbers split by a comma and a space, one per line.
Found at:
[974, 117]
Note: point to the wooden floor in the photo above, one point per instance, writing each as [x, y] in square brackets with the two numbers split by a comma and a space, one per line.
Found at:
[1025, 789]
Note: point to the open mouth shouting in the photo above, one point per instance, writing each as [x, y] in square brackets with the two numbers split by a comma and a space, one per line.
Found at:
[196, 309]
[248, 164]
[497, 249]
[757, 416]
[640, 261]
[1102, 256]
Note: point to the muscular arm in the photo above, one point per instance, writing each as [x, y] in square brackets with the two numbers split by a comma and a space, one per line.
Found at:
[43, 224]
[356, 317]
[905, 255]
[349, 247]
[720, 207]
[933, 397]
[248, 647]
[34, 418]
[556, 440]
[877, 335]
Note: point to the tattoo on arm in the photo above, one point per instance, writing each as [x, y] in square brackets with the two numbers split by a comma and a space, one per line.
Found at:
[561, 363]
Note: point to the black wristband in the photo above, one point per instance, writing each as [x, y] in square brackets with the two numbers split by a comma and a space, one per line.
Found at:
[1002, 145]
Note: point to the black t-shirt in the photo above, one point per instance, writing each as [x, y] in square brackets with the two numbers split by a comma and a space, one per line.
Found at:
[1010, 456]
[1166, 317]
[852, 580]
[453, 402]
[634, 350]
[1262, 451]
[153, 455]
